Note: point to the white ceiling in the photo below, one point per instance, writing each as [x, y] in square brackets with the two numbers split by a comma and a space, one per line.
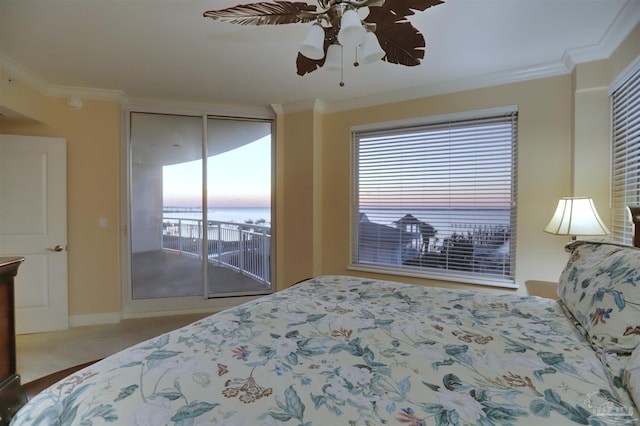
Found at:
[166, 50]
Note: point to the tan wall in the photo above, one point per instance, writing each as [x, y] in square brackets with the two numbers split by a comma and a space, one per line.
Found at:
[591, 139]
[544, 168]
[18, 100]
[592, 151]
[295, 206]
[93, 147]
[626, 53]
[313, 172]
[563, 150]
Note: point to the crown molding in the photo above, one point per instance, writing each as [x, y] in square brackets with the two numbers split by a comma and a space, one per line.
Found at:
[619, 29]
[86, 93]
[452, 86]
[277, 109]
[17, 71]
[316, 105]
[39, 84]
[199, 108]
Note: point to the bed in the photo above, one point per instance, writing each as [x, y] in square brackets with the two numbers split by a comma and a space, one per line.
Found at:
[340, 350]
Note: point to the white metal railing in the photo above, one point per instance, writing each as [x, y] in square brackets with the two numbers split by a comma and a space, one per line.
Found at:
[245, 248]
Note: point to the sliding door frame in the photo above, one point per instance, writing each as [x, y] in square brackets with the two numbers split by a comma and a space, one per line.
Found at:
[132, 308]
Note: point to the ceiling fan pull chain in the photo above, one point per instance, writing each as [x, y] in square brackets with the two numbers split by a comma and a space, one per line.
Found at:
[341, 66]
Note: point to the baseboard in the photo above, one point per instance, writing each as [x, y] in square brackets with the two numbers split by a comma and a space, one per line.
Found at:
[94, 319]
[116, 317]
[136, 315]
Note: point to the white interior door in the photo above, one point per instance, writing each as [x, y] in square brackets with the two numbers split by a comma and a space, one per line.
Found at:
[33, 224]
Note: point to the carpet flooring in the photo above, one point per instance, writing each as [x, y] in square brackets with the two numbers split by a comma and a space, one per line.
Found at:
[41, 354]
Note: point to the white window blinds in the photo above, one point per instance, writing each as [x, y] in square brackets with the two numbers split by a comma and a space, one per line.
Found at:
[625, 144]
[437, 200]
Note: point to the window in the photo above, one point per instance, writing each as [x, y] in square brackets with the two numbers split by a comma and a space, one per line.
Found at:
[625, 145]
[437, 198]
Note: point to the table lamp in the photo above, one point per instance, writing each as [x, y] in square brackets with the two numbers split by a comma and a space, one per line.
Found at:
[576, 216]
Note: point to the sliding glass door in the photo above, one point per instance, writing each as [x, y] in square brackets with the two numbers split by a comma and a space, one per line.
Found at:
[238, 210]
[199, 228]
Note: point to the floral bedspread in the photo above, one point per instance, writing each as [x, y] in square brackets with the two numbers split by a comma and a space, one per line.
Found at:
[338, 350]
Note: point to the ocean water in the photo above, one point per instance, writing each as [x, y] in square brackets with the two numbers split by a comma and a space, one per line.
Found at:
[222, 214]
[387, 215]
[445, 221]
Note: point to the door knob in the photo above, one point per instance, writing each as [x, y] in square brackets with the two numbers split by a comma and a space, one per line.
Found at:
[56, 248]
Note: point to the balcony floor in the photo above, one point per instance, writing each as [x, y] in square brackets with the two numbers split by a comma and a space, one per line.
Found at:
[163, 274]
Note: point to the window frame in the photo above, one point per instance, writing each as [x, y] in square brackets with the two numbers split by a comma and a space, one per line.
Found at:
[622, 226]
[434, 273]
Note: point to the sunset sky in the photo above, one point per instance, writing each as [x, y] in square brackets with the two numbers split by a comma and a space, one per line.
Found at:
[237, 178]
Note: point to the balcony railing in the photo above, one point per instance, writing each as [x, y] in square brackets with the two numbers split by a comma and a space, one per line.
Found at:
[245, 248]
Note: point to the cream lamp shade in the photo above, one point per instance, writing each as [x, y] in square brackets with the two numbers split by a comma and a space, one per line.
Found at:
[351, 33]
[370, 50]
[576, 216]
[313, 45]
[334, 57]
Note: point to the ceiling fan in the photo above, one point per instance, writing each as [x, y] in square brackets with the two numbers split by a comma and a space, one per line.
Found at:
[375, 29]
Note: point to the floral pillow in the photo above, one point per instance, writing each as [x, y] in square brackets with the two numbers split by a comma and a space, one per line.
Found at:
[600, 285]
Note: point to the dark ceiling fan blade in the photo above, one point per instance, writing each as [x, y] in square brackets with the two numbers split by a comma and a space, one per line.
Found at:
[406, 7]
[398, 10]
[402, 43]
[305, 65]
[264, 13]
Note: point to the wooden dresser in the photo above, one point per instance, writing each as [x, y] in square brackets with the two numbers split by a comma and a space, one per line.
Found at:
[11, 394]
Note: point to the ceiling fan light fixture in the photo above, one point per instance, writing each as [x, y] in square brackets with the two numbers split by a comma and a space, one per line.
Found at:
[370, 50]
[345, 23]
[334, 57]
[351, 33]
[313, 45]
